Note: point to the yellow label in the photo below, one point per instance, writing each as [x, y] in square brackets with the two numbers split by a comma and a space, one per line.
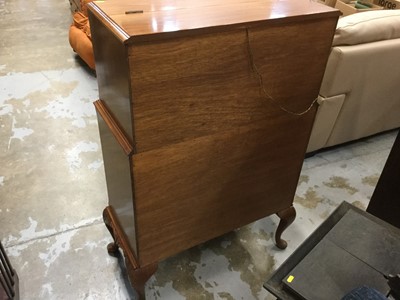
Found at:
[290, 278]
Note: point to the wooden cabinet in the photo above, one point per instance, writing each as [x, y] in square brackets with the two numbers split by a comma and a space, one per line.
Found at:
[205, 112]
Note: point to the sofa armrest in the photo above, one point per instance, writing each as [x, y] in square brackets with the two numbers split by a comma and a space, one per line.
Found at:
[368, 76]
[328, 111]
[363, 68]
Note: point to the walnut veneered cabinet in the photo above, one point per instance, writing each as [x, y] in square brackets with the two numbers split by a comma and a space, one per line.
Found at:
[205, 110]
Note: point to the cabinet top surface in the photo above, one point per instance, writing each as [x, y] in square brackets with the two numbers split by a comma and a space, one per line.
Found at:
[154, 17]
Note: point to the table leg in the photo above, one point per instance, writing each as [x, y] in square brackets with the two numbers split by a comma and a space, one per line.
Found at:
[287, 217]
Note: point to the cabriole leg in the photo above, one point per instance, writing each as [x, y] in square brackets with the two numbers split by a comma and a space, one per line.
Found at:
[138, 275]
[287, 217]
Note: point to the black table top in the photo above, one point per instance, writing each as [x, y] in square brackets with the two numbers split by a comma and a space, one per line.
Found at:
[350, 249]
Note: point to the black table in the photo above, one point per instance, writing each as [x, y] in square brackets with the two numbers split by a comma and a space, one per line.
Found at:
[385, 201]
[350, 249]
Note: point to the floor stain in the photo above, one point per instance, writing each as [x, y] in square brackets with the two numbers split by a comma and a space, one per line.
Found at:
[179, 270]
[371, 180]
[359, 204]
[303, 179]
[324, 215]
[225, 295]
[248, 256]
[310, 199]
[341, 183]
[245, 251]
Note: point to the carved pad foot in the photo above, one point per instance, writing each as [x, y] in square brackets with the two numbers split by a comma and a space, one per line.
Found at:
[287, 217]
[112, 249]
[138, 275]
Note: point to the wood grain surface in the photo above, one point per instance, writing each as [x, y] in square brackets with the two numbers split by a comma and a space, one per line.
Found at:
[196, 190]
[188, 87]
[181, 17]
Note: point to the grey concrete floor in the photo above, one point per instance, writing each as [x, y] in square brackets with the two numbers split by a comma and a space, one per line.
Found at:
[53, 189]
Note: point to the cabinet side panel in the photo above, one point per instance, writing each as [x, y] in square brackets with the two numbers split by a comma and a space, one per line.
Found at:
[113, 80]
[112, 72]
[119, 184]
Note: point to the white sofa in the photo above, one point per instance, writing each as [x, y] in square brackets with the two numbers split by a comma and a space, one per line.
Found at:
[360, 91]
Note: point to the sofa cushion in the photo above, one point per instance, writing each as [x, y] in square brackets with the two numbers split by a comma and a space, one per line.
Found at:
[366, 27]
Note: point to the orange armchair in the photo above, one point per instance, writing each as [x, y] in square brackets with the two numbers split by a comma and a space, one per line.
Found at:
[80, 37]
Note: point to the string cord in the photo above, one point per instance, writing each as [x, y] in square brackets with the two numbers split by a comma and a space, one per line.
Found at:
[262, 86]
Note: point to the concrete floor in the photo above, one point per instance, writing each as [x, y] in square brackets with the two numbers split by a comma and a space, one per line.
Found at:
[53, 189]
